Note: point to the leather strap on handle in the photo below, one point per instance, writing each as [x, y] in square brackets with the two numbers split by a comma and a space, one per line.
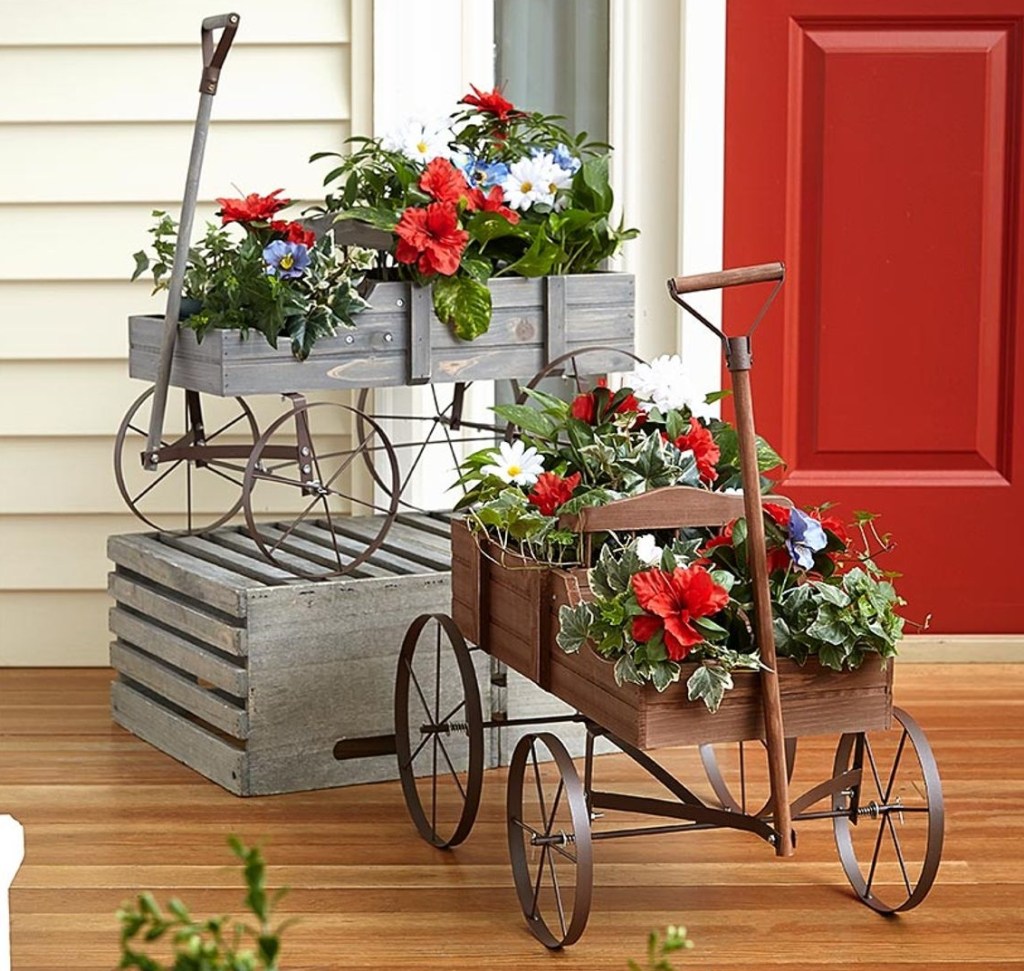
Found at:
[213, 57]
[762, 273]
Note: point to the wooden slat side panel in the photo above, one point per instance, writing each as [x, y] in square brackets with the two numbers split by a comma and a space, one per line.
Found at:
[177, 570]
[178, 651]
[179, 737]
[161, 606]
[178, 689]
[465, 582]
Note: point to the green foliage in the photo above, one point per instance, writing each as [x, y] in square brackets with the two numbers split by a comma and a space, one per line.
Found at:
[226, 280]
[214, 944]
[574, 233]
[659, 946]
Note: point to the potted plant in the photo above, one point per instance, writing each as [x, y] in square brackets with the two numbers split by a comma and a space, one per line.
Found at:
[662, 605]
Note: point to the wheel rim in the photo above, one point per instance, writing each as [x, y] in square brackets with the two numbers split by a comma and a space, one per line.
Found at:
[309, 541]
[439, 730]
[890, 849]
[184, 486]
[549, 840]
[737, 783]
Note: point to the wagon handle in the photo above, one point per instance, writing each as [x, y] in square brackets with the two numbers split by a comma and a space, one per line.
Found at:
[213, 58]
[213, 61]
[740, 360]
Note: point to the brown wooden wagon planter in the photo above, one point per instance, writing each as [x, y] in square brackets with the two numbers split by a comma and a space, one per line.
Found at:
[882, 781]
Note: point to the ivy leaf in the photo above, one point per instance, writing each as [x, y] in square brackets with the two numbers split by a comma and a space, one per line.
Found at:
[574, 627]
[664, 673]
[709, 684]
[464, 303]
[625, 671]
[141, 264]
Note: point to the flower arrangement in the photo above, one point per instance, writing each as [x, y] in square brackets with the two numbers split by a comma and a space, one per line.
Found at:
[664, 604]
[488, 191]
[275, 278]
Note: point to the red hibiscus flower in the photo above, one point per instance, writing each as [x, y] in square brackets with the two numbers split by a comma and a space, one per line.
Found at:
[778, 555]
[443, 182]
[431, 238]
[701, 442]
[843, 558]
[592, 406]
[253, 208]
[550, 491]
[492, 102]
[672, 601]
[584, 407]
[293, 232]
[494, 201]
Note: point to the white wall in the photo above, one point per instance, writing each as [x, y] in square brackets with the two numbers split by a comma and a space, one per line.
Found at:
[95, 132]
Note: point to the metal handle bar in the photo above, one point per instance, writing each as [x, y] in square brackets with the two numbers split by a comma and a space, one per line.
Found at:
[213, 58]
[742, 275]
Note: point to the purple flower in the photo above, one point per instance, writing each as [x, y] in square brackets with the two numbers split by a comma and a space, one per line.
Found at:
[806, 537]
[286, 260]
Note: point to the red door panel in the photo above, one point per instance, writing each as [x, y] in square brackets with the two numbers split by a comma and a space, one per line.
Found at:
[874, 146]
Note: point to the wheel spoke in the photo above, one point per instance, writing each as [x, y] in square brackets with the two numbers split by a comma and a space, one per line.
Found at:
[163, 475]
[437, 679]
[419, 691]
[223, 475]
[224, 428]
[899, 852]
[295, 522]
[338, 558]
[433, 788]
[895, 767]
[874, 767]
[540, 878]
[540, 788]
[874, 859]
[419, 748]
[558, 893]
[451, 767]
[554, 805]
[447, 718]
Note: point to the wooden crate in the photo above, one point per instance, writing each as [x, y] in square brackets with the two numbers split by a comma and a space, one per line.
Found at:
[400, 341]
[261, 683]
[509, 606]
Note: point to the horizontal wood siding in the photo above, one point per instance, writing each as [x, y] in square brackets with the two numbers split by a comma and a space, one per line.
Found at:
[97, 137]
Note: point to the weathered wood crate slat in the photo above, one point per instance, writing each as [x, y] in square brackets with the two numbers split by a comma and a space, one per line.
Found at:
[400, 341]
[253, 679]
[510, 605]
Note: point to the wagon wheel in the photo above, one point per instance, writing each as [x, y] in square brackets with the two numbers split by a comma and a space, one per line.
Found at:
[436, 431]
[182, 482]
[738, 784]
[890, 834]
[299, 471]
[549, 840]
[439, 734]
[580, 369]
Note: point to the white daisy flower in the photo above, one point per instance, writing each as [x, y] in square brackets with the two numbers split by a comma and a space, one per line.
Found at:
[665, 383]
[419, 140]
[648, 550]
[530, 180]
[516, 463]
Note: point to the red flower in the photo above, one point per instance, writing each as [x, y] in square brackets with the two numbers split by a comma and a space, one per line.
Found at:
[777, 555]
[584, 407]
[701, 442]
[494, 201]
[431, 238]
[492, 102]
[253, 208]
[550, 491]
[672, 601]
[443, 182]
[293, 232]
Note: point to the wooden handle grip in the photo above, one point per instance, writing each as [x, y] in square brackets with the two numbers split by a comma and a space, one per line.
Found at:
[738, 277]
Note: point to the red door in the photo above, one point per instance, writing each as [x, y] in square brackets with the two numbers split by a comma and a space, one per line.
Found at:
[875, 147]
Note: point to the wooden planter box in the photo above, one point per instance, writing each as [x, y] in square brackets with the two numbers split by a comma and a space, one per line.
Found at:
[509, 606]
[400, 341]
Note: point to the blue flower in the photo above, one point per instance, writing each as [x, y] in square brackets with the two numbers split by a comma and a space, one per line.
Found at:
[806, 537]
[566, 160]
[482, 175]
[286, 260]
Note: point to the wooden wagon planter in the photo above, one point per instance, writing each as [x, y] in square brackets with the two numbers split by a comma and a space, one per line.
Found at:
[883, 780]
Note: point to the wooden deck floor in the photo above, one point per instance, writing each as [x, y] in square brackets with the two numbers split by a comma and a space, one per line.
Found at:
[106, 815]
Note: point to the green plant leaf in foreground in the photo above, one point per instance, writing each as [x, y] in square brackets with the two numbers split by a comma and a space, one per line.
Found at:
[464, 303]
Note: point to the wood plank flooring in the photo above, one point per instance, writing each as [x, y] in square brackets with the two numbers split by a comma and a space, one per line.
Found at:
[106, 815]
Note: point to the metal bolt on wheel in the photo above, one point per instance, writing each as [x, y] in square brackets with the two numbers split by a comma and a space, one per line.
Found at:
[439, 735]
[890, 835]
[549, 840]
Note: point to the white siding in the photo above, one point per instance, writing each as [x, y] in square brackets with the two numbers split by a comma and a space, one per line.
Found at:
[95, 134]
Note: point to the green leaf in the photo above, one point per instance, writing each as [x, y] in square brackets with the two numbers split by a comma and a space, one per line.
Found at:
[712, 396]
[527, 419]
[664, 673]
[378, 218]
[464, 303]
[141, 264]
[538, 259]
[625, 671]
[487, 226]
[709, 684]
[574, 627]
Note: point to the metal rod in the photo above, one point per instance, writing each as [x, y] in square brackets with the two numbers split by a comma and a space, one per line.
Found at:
[549, 720]
[613, 834]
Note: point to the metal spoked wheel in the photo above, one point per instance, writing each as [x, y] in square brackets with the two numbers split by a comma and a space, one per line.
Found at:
[300, 476]
[549, 840]
[738, 774]
[439, 734]
[201, 485]
[890, 834]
